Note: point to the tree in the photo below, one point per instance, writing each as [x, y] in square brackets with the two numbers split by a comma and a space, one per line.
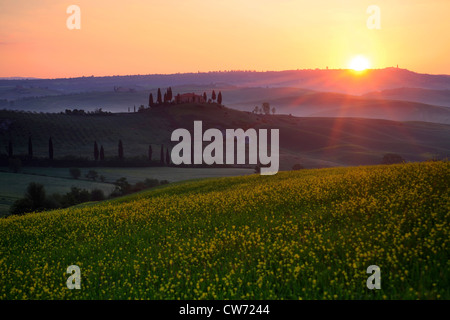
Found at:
[120, 150]
[150, 100]
[50, 148]
[97, 195]
[76, 196]
[204, 96]
[162, 155]
[392, 158]
[75, 172]
[10, 149]
[96, 153]
[30, 148]
[169, 94]
[273, 110]
[266, 107]
[213, 96]
[21, 206]
[159, 99]
[36, 193]
[256, 110]
[219, 98]
[122, 186]
[150, 152]
[102, 153]
[167, 157]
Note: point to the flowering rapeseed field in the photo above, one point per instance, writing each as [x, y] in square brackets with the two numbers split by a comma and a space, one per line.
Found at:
[309, 234]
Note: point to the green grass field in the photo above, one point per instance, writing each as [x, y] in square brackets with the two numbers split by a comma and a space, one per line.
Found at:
[309, 234]
[14, 185]
[59, 180]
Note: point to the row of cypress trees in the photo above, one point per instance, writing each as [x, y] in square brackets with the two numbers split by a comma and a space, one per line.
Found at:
[9, 149]
[99, 154]
[168, 95]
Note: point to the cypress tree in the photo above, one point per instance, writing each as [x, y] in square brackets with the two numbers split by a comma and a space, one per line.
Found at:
[169, 94]
[167, 157]
[159, 96]
[102, 153]
[150, 152]
[30, 148]
[95, 151]
[213, 96]
[120, 150]
[150, 101]
[162, 155]
[204, 96]
[50, 148]
[10, 149]
[219, 98]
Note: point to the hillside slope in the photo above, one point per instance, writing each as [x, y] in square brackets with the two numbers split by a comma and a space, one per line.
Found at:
[325, 104]
[309, 234]
[434, 97]
[314, 142]
[333, 80]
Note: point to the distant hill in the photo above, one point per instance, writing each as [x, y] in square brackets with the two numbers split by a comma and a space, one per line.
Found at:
[435, 97]
[336, 80]
[121, 101]
[326, 104]
[286, 100]
[314, 142]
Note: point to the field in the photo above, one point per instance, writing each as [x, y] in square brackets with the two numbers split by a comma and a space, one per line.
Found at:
[59, 180]
[312, 142]
[14, 185]
[309, 234]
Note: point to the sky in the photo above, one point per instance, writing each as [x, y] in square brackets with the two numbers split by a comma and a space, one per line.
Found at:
[177, 36]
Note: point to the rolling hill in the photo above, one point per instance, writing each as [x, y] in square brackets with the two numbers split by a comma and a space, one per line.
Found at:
[333, 80]
[428, 96]
[326, 104]
[286, 100]
[313, 142]
[309, 234]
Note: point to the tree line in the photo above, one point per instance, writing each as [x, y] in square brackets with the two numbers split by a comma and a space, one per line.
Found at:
[98, 152]
[169, 98]
[36, 199]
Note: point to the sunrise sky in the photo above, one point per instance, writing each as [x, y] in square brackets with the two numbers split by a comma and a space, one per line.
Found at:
[170, 36]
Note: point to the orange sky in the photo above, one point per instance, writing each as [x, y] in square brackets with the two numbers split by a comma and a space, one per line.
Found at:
[170, 36]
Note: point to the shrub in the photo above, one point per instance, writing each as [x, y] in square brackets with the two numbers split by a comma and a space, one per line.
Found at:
[92, 174]
[122, 186]
[76, 196]
[97, 195]
[21, 206]
[150, 183]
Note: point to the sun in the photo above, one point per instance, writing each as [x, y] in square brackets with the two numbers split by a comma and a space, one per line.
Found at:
[359, 63]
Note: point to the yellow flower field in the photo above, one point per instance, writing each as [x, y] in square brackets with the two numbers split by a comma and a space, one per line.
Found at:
[309, 234]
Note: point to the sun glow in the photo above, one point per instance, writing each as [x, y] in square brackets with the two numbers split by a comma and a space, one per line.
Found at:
[359, 63]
